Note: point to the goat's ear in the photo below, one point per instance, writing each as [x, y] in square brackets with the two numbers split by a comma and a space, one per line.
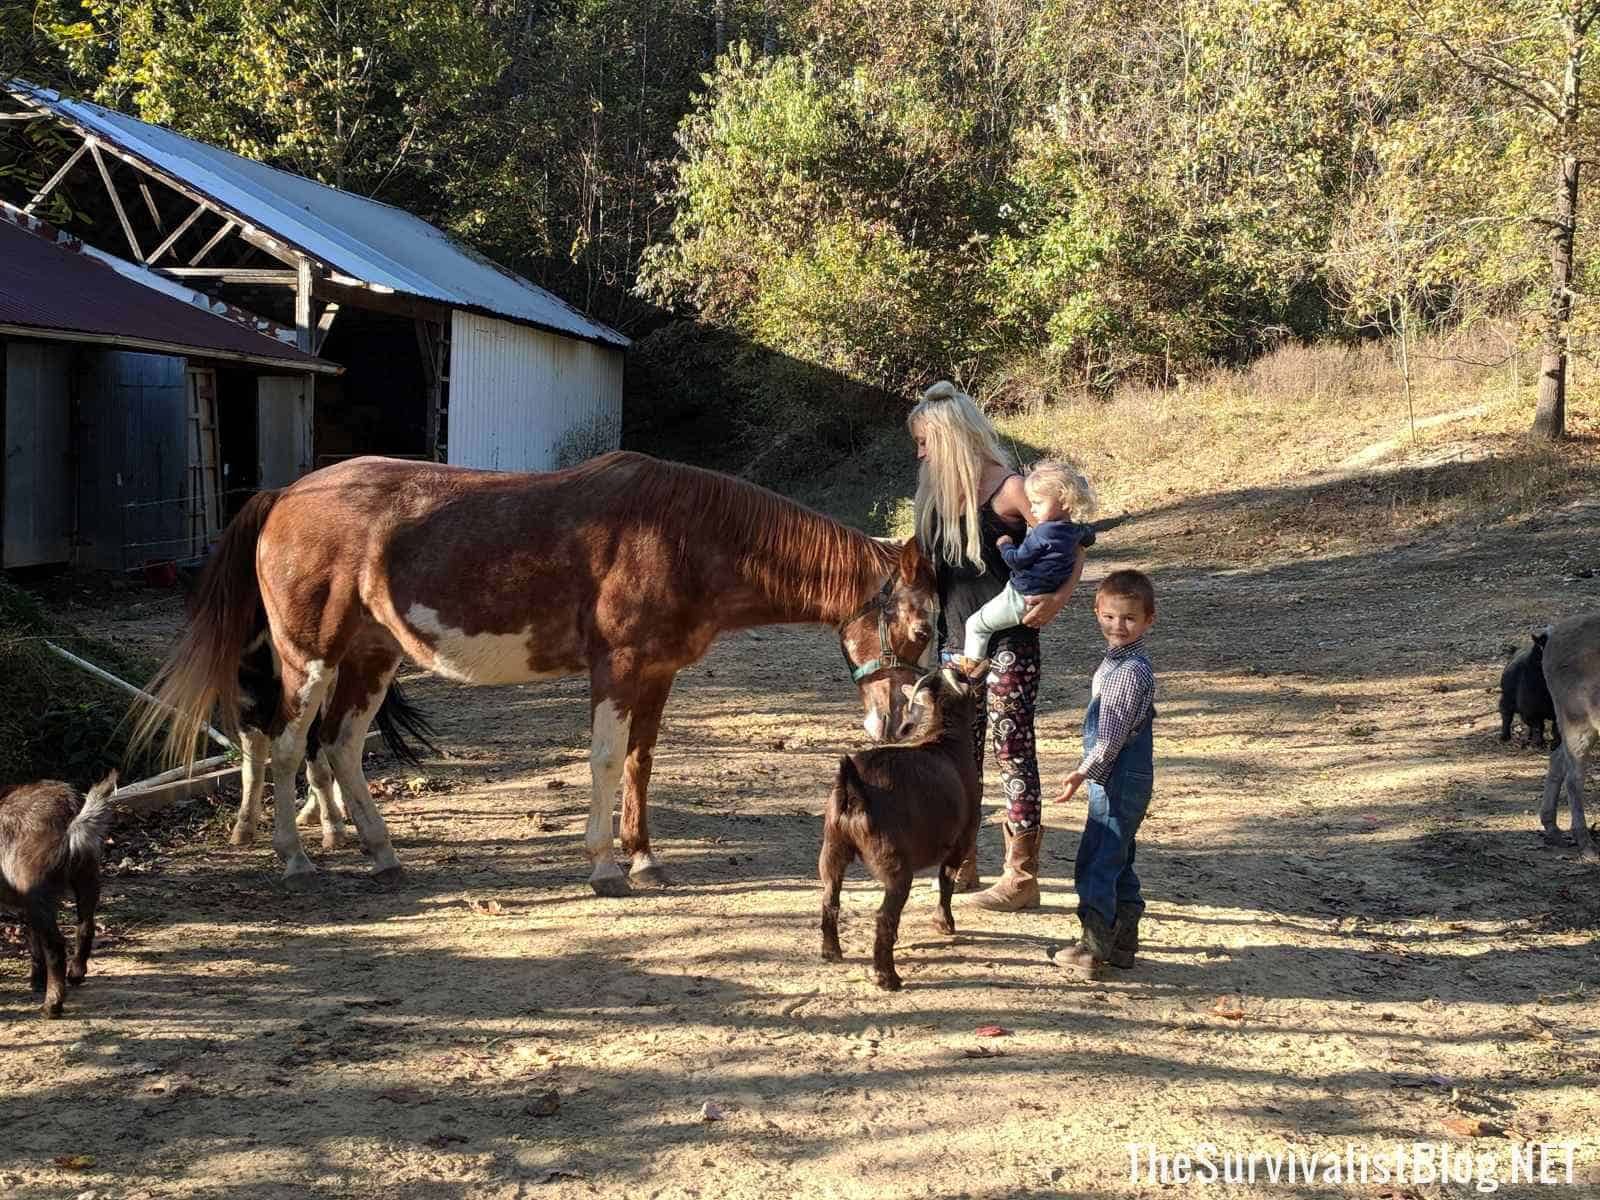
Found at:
[1540, 638]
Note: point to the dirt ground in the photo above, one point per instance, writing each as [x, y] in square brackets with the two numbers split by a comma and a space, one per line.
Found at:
[1355, 935]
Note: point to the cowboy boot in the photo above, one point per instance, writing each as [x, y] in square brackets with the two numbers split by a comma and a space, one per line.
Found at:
[1018, 886]
[1091, 950]
[1125, 937]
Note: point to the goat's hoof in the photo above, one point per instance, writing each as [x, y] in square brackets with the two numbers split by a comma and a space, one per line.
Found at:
[652, 876]
[610, 882]
[887, 980]
[832, 954]
[944, 924]
[52, 1012]
[75, 977]
[390, 875]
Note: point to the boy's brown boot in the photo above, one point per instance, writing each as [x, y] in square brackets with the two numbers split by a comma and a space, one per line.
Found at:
[1094, 948]
[1018, 885]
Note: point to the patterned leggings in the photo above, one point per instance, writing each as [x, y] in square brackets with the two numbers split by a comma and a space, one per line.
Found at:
[1013, 689]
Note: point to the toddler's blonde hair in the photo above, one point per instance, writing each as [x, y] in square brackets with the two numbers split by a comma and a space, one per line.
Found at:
[1060, 480]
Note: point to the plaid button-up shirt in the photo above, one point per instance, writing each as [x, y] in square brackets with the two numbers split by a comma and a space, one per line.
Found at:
[1126, 687]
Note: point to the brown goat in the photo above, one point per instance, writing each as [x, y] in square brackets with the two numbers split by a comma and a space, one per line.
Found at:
[905, 807]
[50, 840]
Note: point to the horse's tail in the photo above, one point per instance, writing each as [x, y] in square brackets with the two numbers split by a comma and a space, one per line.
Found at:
[202, 671]
[397, 717]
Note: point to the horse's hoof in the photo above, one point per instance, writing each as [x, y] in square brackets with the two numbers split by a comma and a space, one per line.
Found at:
[390, 875]
[301, 881]
[1589, 854]
[887, 980]
[241, 836]
[609, 881]
[331, 841]
[52, 1012]
[652, 876]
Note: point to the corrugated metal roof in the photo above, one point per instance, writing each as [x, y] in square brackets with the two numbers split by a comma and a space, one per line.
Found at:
[54, 286]
[363, 238]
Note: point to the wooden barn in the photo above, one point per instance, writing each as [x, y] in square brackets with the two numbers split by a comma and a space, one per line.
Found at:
[445, 355]
[111, 384]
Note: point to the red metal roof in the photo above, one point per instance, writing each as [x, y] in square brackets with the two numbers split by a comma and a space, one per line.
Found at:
[54, 288]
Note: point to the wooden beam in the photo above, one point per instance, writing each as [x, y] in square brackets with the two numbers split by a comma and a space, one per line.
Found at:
[391, 303]
[302, 304]
[282, 251]
[324, 325]
[116, 201]
[155, 255]
[56, 178]
[227, 228]
[430, 337]
[229, 274]
[150, 207]
[27, 116]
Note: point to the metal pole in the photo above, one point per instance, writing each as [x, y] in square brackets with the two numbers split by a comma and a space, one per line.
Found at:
[128, 687]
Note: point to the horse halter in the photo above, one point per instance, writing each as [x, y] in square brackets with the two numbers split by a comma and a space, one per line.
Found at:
[887, 659]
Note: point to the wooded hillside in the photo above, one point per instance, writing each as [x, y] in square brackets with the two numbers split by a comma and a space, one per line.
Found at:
[858, 197]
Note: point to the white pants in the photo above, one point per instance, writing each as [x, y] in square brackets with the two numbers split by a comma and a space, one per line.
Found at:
[1003, 612]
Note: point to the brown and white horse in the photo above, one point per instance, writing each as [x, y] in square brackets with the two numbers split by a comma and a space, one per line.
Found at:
[625, 567]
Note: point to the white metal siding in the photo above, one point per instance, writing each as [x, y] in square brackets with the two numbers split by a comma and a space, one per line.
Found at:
[525, 400]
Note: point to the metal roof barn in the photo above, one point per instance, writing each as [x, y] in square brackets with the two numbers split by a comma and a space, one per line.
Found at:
[446, 354]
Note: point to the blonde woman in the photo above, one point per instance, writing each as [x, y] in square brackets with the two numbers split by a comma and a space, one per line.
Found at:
[969, 496]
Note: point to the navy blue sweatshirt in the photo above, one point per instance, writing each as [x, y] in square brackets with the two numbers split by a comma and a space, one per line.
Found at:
[1046, 556]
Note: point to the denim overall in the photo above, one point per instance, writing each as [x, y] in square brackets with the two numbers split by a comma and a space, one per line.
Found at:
[1103, 873]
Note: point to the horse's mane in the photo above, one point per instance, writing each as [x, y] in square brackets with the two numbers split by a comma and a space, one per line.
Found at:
[795, 555]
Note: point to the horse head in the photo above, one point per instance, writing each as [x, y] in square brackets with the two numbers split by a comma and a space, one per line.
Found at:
[888, 643]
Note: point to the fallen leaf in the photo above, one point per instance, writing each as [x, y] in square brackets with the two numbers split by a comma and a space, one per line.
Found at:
[1229, 1008]
[711, 1111]
[544, 1104]
[440, 1140]
[74, 1162]
[1472, 1127]
[555, 785]
[983, 1052]
[486, 908]
[991, 1031]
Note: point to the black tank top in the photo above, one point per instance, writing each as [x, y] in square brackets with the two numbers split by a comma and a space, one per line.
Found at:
[964, 589]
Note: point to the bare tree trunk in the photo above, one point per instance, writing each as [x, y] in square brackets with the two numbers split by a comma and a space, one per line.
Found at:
[1550, 416]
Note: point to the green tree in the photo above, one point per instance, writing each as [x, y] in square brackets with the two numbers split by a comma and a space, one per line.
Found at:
[1531, 53]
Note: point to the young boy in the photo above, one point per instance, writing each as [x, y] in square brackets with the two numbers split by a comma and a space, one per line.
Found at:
[1119, 767]
[1048, 555]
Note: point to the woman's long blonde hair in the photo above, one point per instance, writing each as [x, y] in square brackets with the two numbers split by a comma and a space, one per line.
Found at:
[960, 442]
